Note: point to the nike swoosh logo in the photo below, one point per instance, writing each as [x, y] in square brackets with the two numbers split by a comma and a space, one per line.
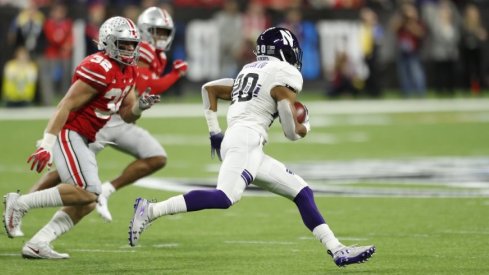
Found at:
[35, 250]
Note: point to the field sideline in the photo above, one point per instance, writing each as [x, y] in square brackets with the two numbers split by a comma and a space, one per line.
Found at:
[393, 149]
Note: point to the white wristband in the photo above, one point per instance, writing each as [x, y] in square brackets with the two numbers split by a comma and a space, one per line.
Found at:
[212, 121]
[48, 141]
[136, 110]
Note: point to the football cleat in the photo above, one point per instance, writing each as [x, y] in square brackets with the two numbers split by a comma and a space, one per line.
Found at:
[352, 255]
[103, 208]
[18, 231]
[12, 215]
[41, 250]
[140, 221]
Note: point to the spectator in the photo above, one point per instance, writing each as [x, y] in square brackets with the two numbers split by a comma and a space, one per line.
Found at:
[442, 21]
[344, 77]
[307, 34]
[96, 16]
[19, 81]
[473, 37]
[131, 11]
[409, 32]
[371, 35]
[55, 65]
[255, 20]
[26, 30]
[229, 23]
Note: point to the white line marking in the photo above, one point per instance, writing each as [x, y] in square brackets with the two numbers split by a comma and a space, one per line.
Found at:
[165, 245]
[466, 232]
[10, 255]
[103, 251]
[315, 108]
[260, 242]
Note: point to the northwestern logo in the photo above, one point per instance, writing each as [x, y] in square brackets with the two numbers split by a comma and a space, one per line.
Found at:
[287, 37]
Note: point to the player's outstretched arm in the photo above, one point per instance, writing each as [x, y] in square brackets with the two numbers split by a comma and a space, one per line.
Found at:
[159, 85]
[211, 93]
[78, 95]
[285, 99]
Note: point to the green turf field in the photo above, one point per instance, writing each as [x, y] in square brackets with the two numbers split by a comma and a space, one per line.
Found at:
[442, 229]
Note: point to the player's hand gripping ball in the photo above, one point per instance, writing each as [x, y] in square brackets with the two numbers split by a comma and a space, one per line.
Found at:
[301, 111]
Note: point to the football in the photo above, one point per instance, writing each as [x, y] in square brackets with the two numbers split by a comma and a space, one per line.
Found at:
[301, 111]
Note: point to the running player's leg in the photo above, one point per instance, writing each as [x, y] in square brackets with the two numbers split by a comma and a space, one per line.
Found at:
[139, 143]
[48, 180]
[130, 139]
[77, 167]
[282, 181]
[242, 153]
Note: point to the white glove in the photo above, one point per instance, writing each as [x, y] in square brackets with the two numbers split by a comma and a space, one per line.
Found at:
[145, 101]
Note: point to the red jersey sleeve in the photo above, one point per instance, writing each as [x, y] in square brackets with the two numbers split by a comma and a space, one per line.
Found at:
[147, 53]
[157, 84]
[95, 71]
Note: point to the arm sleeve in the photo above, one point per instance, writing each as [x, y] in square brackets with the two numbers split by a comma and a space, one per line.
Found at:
[287, 119]
[211, 116]
[158, 85]
[93, 74]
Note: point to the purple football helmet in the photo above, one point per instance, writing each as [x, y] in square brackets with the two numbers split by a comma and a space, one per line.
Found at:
[280, 43]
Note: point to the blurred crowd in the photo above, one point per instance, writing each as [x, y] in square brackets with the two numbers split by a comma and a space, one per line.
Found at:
[434, 45]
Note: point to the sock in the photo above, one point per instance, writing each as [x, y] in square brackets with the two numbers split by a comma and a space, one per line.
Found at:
[308, 209]
[44, 198]
[324, 234]
[206, 199]
[59, 224]
[172, 205]
[107, 189]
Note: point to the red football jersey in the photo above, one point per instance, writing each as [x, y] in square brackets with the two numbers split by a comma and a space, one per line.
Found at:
[156, 59]
[105, 75]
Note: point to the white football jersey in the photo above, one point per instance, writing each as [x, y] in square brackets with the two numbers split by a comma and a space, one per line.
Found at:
[252, 104]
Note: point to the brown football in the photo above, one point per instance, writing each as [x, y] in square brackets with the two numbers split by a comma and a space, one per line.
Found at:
[300, 111]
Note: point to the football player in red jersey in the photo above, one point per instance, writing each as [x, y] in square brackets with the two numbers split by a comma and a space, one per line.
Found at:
[102, 85]
[157, 31]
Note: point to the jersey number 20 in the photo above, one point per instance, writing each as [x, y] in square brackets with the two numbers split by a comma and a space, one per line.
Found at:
[245, 87]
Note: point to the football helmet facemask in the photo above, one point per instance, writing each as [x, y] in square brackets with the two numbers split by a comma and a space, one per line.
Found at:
[156, 26]
[280, 43]
[119, 38]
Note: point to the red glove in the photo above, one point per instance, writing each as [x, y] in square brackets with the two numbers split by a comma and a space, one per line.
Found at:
[40, 159]
[43, 155]
[180, 66]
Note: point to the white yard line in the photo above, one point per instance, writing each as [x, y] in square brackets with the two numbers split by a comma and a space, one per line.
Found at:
[316, 107]
[103, 250]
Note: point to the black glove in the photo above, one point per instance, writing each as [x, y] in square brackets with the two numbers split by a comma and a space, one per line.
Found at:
[216, 140]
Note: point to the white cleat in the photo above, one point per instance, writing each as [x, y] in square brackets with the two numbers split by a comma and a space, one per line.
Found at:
[139, 222]
[103, 208]
[352, 255]
[12, 215]
[18, 231]
[41, 251]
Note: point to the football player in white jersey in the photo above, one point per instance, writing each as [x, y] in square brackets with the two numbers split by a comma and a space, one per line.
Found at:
[262, 91]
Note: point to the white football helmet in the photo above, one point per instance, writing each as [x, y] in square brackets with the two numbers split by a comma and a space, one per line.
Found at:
[156, 26]
[119, 38]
